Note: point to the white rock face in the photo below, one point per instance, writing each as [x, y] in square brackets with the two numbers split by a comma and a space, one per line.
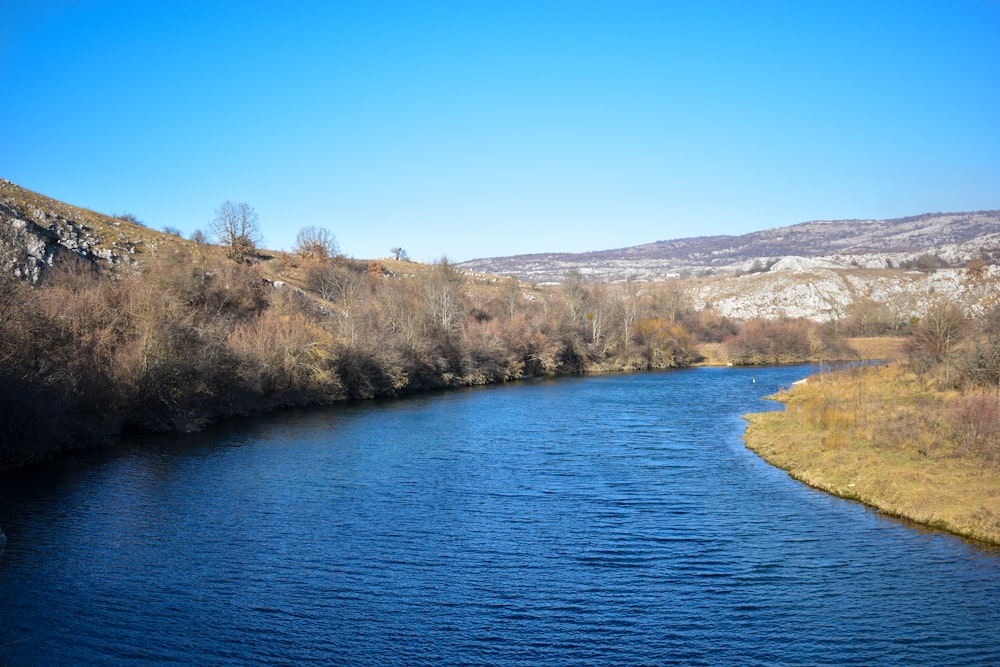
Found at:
[803, 264]
[33, 234]
[824, 294]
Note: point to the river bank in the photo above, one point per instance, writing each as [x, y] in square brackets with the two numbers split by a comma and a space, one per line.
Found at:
[885, 438]
[103, 429]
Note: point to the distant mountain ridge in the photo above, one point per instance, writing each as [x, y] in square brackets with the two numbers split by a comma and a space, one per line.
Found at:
[955, 237]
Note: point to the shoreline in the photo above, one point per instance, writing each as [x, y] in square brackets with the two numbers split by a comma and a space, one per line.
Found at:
[938, 491]
[91, 438]
[918, 522]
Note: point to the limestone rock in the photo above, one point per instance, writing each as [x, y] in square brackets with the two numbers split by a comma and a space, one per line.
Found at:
[33, 234]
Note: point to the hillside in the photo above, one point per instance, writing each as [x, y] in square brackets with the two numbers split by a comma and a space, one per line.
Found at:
[801, 288]
[815, 270]
[35, 230]
[106, 325]
[954, 237]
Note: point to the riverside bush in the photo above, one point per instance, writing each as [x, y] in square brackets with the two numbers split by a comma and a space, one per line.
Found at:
[782, 341]
[975, 419]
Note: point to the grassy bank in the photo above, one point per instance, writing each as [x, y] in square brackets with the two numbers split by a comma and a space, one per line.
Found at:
[888, 438]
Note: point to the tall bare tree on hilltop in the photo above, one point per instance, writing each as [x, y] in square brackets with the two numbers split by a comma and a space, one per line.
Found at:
[235, 226]
[316, 243]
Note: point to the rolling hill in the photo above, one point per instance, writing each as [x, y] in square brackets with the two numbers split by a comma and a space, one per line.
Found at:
[953, 237]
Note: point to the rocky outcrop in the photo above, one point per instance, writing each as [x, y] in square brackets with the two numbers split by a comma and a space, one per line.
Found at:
[799, 287]
[35, 230]
[814, 270]
[30, 247]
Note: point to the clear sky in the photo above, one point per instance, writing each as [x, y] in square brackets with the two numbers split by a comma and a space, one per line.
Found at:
[476, 128]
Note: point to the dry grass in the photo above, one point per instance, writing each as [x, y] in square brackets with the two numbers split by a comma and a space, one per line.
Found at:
[714, 354]
[865, 349]
[881, 348]
[882, 436]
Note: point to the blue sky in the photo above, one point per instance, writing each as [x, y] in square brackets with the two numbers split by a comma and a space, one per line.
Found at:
[476, 128]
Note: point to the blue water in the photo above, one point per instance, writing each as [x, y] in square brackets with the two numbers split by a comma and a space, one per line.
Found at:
[605, 520]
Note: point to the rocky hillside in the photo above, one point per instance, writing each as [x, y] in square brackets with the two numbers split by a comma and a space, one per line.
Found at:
[797, 287]
[35, 230]
[952, 237]
[815, 270]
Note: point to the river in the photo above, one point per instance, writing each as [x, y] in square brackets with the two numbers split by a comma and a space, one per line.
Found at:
[582, 521]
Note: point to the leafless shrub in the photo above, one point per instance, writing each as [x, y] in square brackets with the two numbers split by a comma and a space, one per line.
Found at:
[130, 217]
[936, 336]
[982, 363]
[975, 419]
[766, 341]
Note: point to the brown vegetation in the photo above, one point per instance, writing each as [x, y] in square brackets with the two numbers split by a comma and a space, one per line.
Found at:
[782, 341]
[187, 336]
[191, 337]
[177, 333]
[918, 439]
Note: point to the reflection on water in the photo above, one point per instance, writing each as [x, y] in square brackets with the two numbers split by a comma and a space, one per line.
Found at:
[602, 520]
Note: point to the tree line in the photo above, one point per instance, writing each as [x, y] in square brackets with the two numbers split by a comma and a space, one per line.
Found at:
[199, 332]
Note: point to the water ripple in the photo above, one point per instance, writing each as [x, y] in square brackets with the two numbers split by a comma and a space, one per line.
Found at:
[612, 520]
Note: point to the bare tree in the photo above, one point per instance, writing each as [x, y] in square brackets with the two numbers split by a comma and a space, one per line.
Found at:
[598, 311]
[574, 292]
[442, 291]
[670, 301]
[235, 226]
[316, 243]
[399, 254]
[628, 308]
[512, 295]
